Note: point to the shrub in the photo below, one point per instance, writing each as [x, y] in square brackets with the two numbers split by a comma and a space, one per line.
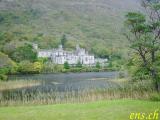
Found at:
[24, 53]
[155, 97]
[37, 67]
[75, 70]
[66, 65]
[95, 70]
[26, 67]
[50, 67]
[3, 77]
[4, 70]
[79, 65]
[122, 74]
[98, 65]
[7, 66]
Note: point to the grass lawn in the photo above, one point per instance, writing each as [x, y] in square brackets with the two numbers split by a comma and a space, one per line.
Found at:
[102, 110]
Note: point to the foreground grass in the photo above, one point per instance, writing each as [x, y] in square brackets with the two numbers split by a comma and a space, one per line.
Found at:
[102, 110]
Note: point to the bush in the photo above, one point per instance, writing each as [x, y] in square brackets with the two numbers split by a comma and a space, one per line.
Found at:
[50, 67]
[4, 70]
[66, 65]
[25, 67]
[95, 70]
[98, 65]
[25, 52]
[122, 74]
[79, 65]
[37, 67]
[29, 67]
[7, 66]
[42, 60]
[75, 70]
[155, 97]
[3, 77]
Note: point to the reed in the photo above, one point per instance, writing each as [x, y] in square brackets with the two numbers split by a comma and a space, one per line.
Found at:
[15, 84]
[125, 90]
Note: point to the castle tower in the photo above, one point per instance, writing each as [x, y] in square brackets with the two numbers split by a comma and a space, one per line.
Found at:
[77, 47]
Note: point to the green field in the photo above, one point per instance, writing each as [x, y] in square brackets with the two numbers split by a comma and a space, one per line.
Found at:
[102, 110]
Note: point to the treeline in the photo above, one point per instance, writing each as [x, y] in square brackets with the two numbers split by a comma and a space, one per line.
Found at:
[8, 66]
[23, 60]
[49, 67]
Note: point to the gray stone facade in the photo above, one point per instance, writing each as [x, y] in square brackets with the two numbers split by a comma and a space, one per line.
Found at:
[60, 56]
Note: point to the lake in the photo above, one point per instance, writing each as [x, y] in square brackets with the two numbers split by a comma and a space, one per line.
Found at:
[70, 81]
[57, 87]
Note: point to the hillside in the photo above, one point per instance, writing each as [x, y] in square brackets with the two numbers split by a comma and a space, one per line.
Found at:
[96, 24]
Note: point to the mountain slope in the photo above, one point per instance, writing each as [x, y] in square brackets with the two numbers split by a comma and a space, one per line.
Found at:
[95, 24]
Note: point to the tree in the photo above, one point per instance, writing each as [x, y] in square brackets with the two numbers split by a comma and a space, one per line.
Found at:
[29, 67]
[79, 65]
[25, 52]
[63, 40]
[66, 65]
[7, 66]
[37, 67]
[26, 67]
[98, 65]
[144, 38]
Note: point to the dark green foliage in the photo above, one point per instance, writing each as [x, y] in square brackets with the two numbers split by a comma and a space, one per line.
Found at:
[49, 67]
[141, 73]
[66, 65]
[116, 62]
[25, 52]
[74, 70]
[116, 65]
[155, 97]
[42, 60]
[1, 18]
[7, 66]
[79, 65]
[137, 71]
[25, 67]
[3, 77]
[98, 65]
[135, 18]
[145, 41]
[100, 50]
[63, 41]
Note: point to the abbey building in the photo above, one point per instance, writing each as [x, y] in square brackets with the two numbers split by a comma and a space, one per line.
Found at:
[60, 56]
